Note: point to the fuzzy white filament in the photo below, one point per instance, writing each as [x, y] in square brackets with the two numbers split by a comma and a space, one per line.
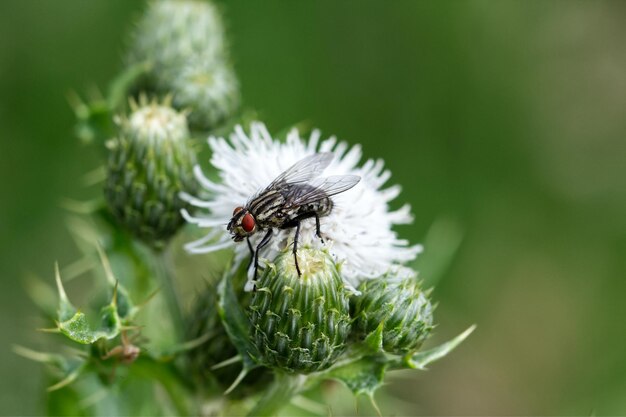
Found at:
[358, 231]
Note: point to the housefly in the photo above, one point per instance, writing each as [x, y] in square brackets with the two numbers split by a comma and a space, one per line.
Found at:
[297, 194]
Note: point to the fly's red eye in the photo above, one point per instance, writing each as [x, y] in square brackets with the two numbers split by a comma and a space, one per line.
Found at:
[248, 223]
[237, 210]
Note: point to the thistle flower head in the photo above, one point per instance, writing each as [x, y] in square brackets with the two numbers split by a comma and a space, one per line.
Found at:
[209, 90]
[150, 164]
[172, 32]
[398, 304]
[300, 323]
[358, 230]
[150, 123]
[184, 43]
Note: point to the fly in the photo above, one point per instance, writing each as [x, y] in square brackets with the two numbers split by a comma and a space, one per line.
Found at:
[297, 194]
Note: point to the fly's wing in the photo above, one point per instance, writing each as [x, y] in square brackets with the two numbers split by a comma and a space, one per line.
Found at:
[320, 188]
[304, 170]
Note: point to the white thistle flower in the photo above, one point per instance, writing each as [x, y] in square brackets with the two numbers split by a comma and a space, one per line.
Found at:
[358, 231]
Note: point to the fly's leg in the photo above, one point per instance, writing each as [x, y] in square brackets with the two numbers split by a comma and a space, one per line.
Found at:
[295, 248]
[251, 253]
[260, 246]
[318, 232]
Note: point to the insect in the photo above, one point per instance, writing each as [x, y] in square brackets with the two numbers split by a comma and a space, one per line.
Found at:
[297, 194]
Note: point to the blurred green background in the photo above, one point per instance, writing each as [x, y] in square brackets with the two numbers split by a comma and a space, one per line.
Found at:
[508, 116]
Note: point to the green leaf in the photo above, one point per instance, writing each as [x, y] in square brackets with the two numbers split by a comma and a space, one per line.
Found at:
[363, 376]
[236, 324]
[421, 359]
[363, 373]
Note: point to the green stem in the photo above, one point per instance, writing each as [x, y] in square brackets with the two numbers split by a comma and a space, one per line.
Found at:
[170, 380]
[283, 389]
[164, 274]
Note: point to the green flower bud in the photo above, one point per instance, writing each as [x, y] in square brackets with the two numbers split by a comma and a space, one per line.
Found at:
[208, 89]
[172, 33]
[400, 306]
[300, 323]
[150, 164]
[184, 43]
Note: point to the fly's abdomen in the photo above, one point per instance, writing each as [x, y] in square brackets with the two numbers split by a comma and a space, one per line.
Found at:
[322, 207]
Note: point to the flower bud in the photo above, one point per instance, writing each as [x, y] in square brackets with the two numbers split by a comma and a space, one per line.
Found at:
[174, 32]
[209, 90]
[300, 323]
[184, 43]
[150, 163]
[398, 303]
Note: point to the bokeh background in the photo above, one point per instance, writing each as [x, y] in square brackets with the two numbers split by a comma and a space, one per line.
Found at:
[507, 118]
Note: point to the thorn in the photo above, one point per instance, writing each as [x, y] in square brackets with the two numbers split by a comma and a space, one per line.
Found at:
[236, 382]
[227, 362]
[93, 399]
[131, 327]
[95, 176]
[150, 297]
[57, 276]
[65, 381]
[79, 207]
[114, 298]
[373, 402]
[30, 354]
[77, 104]
[106, 265]
[309, 405]
[77, 268]
[49, 330]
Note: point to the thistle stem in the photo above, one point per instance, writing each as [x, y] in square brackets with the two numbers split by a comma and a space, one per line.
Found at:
[163, 271]
[279, 394]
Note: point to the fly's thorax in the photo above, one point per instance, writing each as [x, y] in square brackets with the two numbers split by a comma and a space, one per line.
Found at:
[267, 208]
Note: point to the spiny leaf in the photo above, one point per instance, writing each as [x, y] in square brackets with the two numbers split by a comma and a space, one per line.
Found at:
[78, 329]
[421, 359]
[363, 376]
[363, 372]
